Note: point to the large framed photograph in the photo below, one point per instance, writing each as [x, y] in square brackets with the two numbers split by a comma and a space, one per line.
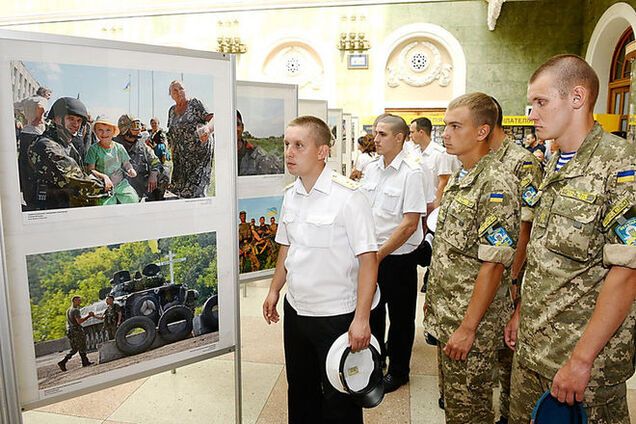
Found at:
[143, 301]
[94, 216]
[104, 135]
[265, 110]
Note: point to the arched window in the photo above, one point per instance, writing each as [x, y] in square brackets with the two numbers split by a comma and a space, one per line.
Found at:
[619, 81]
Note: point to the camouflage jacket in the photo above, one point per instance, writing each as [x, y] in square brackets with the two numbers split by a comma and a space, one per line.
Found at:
[252, 160]
[476, 213]
[111, 315]
[573, 244]
[144, 161]
[525, 166]
[57, 169]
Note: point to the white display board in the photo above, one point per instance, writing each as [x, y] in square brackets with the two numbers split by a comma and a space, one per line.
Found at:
[266, 109]
[334, 120]
[347, 150]
[317, 108]
[355, 130]
[56, 251]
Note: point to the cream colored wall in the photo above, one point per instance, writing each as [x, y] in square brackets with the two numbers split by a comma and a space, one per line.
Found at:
[497, 62]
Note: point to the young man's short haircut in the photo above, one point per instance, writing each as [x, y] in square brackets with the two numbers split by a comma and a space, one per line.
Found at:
[379, 117]
[397, 125]
[319, 130]
[499, 113]
[481, 106]
[423, 124]
[75, 297]
[570, 70]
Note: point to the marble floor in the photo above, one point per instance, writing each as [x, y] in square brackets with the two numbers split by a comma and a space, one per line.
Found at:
[204, 392]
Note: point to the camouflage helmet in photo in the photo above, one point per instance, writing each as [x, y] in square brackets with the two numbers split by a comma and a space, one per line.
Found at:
[68, 106]
[128, 122]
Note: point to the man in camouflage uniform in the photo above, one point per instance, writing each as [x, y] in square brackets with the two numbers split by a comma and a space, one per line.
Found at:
[113, 317]
[577, 315]
[475, 241]
[252, 160]
[75, 333]
[152, 178]
[56, 166]
[525, 166]
[246, 249]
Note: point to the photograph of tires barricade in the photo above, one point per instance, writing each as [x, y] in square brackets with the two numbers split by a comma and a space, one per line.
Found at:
[98, 309]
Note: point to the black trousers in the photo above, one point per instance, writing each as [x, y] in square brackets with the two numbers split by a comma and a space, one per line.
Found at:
[311, 398]
[397, 278]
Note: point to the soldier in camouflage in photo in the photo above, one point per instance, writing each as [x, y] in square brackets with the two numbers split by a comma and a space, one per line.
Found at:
[525, 166]
[253, 160]
[152, 178]
[474, 243]
[112, 316]
[75, 333]
[577, 316]
[56, 167]
[246, 248]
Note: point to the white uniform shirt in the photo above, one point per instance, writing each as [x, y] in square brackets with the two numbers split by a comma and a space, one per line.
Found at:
[439, 162]
[409, 147]
[325, 229]
[392, 192]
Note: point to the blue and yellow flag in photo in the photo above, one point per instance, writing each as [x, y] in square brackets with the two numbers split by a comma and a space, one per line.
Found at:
[496, 197]
[625, 176]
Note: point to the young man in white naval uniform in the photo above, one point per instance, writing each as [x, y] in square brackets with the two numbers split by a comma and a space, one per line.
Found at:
[393, 185]
[434, 155]
[328, 259]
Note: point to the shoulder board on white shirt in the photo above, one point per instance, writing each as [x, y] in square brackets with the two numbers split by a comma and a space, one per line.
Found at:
[414, 157]
[288, 186]
[344, 181]
[413, 161]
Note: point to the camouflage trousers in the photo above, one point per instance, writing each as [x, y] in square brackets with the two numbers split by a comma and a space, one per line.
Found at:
[603, 405]
[504, 368]
[111, 329]
[77, 339]
[468, 388]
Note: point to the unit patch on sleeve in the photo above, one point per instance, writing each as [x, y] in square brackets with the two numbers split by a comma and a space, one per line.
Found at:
[529, 193]
[625, 227]
[495, 234]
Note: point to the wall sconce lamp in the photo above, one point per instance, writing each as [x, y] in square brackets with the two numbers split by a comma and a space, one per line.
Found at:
[353, 38]
[353, 42]
[229, 41]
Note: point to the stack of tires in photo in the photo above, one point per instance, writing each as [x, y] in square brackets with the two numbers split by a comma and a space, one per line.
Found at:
[173, 321]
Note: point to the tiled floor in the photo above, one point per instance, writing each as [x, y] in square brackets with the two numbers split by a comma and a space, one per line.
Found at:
[204, 392]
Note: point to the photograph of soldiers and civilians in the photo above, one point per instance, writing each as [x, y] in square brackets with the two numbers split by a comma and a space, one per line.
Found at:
[98, 309]
[259, 127]
[258, 222]
[95, 136]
